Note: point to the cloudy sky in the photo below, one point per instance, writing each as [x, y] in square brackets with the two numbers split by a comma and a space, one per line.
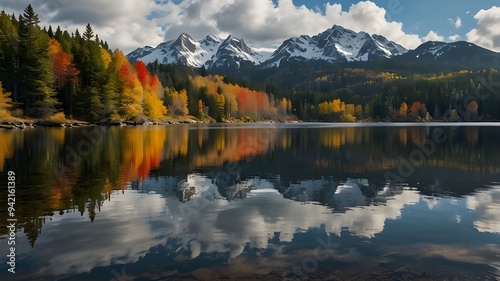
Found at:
[128, 24]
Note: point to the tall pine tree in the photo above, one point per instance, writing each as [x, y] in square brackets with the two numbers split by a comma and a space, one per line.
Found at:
[9, 56]
[37, 92]
[88, 60]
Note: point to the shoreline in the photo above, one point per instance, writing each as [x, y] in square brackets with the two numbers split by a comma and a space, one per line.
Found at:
[20, 125]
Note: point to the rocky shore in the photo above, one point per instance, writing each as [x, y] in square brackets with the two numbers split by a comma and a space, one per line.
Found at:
[20, 125]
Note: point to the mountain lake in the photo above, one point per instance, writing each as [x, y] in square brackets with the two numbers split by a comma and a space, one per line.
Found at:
[306, 201]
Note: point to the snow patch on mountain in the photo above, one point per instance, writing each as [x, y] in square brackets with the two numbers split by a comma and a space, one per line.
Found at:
[211, 52]
[438, 49]
[336, 44]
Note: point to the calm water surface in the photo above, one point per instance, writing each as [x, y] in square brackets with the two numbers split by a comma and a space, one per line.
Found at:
[261, 201]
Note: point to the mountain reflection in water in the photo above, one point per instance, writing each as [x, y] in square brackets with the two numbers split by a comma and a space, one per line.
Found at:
[253, 200]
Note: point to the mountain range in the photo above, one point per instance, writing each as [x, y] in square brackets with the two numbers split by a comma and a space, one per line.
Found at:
[211, 52]
[336, 45]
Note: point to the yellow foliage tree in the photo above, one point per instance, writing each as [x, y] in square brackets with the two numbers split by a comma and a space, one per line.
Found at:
[284, 105]
[347, 118]
[179, 104]
[5, 100]
[403, 109]
[54, 47]
[5, 103]
[350, 109]
[221, 103]
[131, 97]
[131, 101]
[153, 106]
[106, 57]
[323, 108]
[201, 115]
[337, 106]
[184, 98]
[359, 111]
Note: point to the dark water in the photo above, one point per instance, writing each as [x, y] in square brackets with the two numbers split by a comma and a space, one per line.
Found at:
[263, 201]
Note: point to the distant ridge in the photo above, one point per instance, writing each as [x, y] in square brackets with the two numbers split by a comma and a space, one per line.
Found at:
[336, 45]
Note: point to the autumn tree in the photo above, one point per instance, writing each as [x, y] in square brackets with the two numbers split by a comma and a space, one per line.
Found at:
[472, 110]
[201, 114]
[358, 112]
[65, 74]
[242, 99]
[350, 109]
[403, 109]
[153, 105]
[5, 103]
[347, 118]
[283, 105]
[184, 99]
[220, 102]
[415, 109]
[179, 104]
[333, 109]
[131, 95]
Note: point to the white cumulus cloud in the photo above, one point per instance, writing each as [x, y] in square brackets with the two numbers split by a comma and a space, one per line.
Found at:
[456, 22]
[122, 23]
[261, 21]
[455, 37]
[433, 36]
[127, 24]
[487, 32]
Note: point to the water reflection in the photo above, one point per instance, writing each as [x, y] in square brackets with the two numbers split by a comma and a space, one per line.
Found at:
[219, 194]
[486, 204]
[191, 218]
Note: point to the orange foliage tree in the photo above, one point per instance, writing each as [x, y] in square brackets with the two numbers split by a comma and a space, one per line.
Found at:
[417, 109]
[228, 100]
[153, 105]
[403, 109]
[138, 91]
[472, 110]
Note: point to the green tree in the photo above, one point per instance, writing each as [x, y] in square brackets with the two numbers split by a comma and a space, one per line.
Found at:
[88, 60]
[9, 55]
[110, 89]
[38, 94]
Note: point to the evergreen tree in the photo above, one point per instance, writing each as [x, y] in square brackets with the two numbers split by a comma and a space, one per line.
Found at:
[37, 93]
[110, 90]
[50, 32]
[9, 56]
[64, 39]
[88, 60]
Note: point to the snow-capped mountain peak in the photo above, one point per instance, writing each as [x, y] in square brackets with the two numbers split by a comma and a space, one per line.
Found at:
[211, 51]
[211, 41]
[336, 44]
[436, 49]
[232, 52]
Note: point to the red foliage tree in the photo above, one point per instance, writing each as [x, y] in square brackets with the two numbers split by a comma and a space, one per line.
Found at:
[154, 82]
[64, 70]
[127, 76]
[241, 98]
[143, 73]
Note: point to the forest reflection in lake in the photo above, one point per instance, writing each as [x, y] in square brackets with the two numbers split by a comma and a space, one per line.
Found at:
[255, 200]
